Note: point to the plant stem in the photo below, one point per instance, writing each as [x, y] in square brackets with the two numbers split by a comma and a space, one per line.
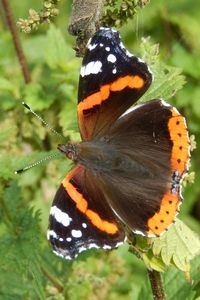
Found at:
[56, 283]
[16, 41]
[156, 285]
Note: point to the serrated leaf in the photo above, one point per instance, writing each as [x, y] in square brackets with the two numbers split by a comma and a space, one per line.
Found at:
[167, 80]
[57, 52]
[20, 241]
[176, 285]
[178, 246]
[33, 95]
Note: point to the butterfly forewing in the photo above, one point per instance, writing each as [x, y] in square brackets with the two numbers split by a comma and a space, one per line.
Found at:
[111, 80]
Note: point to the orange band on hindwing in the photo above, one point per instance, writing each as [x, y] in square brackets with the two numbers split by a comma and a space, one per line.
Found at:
[180, 154]
[181, 143]
[166, 215]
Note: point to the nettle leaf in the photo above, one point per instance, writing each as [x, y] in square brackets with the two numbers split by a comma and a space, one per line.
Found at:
[176, 287]
[178, 246]
[36, 98]
[20, 240]
[167, 80]
[58, 54]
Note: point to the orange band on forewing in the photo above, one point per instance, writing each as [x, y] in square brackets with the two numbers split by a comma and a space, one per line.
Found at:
[133, 82]
[82, 205]
[104, 92]
[168, 209]
[181, 144]
[137, 82]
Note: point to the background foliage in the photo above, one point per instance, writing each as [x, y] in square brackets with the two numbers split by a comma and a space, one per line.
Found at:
[28, 268]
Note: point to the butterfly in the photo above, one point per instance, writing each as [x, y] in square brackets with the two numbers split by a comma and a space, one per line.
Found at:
[130, 162]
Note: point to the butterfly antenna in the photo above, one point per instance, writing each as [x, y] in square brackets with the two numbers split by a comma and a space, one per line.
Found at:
[44, 159]
[42, 120]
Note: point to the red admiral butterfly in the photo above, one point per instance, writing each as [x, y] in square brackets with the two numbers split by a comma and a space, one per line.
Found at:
[130, 162]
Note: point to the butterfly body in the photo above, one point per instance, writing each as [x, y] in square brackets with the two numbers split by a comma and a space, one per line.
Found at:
[130, 162]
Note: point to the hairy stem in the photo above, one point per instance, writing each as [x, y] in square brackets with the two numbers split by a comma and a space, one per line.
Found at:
[156, 285]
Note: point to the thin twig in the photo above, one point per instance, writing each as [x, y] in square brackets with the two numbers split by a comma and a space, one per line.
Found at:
[16, 40]
[56, 283]
[156, 285]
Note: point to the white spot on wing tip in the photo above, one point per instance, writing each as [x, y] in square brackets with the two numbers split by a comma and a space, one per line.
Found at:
[93, 67]
[111, 58]
[60, 216]
[76, 233]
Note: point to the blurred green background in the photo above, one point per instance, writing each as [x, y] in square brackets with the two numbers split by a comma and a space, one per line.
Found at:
[28, 268]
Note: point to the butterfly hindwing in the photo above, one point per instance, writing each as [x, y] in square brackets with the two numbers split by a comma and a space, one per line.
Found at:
[153, 145]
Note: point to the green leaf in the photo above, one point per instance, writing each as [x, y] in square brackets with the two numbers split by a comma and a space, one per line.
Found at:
[174, 26]
[190, 64]
[189, 28]
[33, 95]
[6, 85]
[20, 248]
[176, 285]
[7, 132]
[178, 246]
[167, 80]
[57, 53]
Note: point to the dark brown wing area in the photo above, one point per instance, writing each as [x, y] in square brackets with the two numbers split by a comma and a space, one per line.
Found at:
[111, 81]
[146, 194]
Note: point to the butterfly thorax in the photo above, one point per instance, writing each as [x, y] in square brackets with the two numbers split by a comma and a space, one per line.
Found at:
[100, 156]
